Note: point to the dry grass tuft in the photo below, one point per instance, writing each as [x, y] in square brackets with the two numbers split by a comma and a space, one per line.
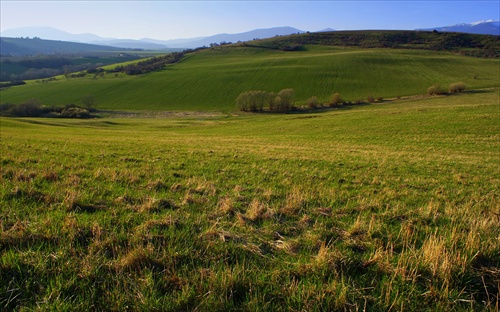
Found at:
[161, 224]
[258, 211]
[153, 205]
[220, 235]
[176, 187]
[294, 202]
[125, 199]
[305, 221]
[242, 220]
[225, 205]
[201, 186]
[50, 176]
[138, 260]
[436, 257]
[73, 202]
[157, 185]
[191, 197]
[268, 193]
[289, 247]
[381, 258]
[326, 256]
[25, 176]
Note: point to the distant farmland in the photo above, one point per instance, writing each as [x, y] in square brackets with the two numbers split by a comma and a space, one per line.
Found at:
[212, 79]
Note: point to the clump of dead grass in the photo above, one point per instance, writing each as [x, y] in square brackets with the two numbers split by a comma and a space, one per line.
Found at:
[153, 205]
[258, 210]
[137, 260]
[294, 201]
[225, 205]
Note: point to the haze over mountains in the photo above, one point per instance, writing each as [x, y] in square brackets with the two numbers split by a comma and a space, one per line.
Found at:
[489, 27]
[147, 43]
[481, 27]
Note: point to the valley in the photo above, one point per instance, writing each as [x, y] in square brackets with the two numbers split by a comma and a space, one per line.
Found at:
[172, 199]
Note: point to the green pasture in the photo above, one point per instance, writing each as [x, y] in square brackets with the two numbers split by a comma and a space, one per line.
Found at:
[391, 206]
[210, 80]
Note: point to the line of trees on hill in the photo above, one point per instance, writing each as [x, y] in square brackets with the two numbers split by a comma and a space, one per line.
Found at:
[152, 64]
[465, 44]
[284, 101]
[149, 65]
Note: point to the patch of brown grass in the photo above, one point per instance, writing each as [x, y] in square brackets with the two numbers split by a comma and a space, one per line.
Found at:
[137, 260]
[258, 210]
[294, 202]
[225, 205]
[153, 205]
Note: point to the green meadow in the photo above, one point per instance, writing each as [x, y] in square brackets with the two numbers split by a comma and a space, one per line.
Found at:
[210, 80]
[383, 207]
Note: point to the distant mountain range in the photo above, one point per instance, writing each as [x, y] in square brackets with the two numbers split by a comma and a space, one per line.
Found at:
[489, 27]
[146, 43]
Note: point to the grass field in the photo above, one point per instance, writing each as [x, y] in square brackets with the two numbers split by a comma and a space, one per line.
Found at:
[212, 79]
[381, 207]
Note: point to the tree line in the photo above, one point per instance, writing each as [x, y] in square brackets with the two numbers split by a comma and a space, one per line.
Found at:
[466, 44]
[284, 101]
[33, 108]
[255, 101]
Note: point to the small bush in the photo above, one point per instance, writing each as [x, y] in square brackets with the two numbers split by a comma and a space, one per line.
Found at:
[287, 97]
[456, 87]
[335, 100]
[370, 99]
[435, 90]
[75, 112]
[312, 102]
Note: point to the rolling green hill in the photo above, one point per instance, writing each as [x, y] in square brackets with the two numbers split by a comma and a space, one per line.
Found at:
[212, 79]
[376, 208]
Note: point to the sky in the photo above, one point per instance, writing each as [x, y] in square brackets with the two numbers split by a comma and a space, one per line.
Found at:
[165, 20]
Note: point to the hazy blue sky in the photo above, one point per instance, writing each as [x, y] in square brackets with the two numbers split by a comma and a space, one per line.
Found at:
[186, 19]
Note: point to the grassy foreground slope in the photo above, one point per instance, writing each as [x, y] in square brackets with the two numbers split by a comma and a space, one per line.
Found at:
[212, 79]
[381, 207]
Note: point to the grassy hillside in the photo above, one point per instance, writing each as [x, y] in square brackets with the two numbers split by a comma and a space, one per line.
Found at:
[380, 207]
[212, 79]
[40, 67]
[460, 43]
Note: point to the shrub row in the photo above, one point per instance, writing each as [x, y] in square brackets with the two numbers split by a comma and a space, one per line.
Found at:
[33, 108]
[436, 89]
[466, 44]
[258, 101]
[255, 101]
[149, 65]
